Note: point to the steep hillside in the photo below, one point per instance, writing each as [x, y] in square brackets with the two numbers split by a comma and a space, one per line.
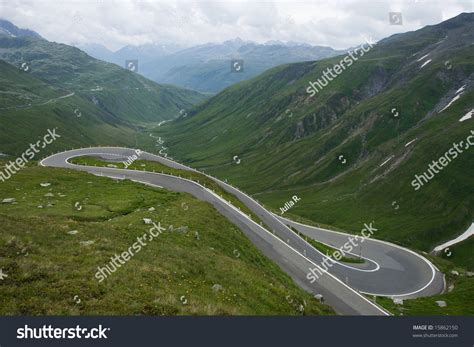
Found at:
[45, 85]
[9, 29]
[200, 265]
[114, 90]
[351, 152]
[29, 107]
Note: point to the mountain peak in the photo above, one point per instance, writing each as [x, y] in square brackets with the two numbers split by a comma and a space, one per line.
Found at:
[286, 44]
[237, 41]
[9, 29]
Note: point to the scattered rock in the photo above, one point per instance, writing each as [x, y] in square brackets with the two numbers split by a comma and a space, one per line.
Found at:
[469, 273]
[151, 209]
[183, 229]
[454, 272]
[319, 297]
[147, 221]
[44, 185]
[72, 232]
[86, 243]
[397, 301]
[441, 303]
[8, 200]
[40, 206]
[49, 195]
[49, 205]
[216, 287]
[450, 288]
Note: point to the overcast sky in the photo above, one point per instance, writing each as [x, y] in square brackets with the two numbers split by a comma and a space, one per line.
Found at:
[116, 23]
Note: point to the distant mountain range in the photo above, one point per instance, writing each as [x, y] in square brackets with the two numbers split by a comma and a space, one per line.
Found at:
[207, 67]
[143, 53]
[351, 151]
[46, 84]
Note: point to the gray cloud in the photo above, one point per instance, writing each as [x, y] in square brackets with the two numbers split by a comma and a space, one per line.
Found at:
[115, 23]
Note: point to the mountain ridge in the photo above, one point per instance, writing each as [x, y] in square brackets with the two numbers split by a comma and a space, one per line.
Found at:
[8, 28]
[44, 83]
[206, 67]
[288, 142]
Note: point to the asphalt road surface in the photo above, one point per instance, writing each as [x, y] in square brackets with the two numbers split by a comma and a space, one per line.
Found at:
[388, 270]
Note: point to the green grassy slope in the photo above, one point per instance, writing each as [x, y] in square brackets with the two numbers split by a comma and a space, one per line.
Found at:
[154, 166]
[210, 268]
[114, 90]
[289, 143]
[461, 254]
[48, 85]
[29, 106]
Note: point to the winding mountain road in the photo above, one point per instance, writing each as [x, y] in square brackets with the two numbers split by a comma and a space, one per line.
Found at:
[388, 270]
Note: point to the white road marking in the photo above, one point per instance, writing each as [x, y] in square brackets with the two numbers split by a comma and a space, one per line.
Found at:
[433, 270]
[241, 213]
